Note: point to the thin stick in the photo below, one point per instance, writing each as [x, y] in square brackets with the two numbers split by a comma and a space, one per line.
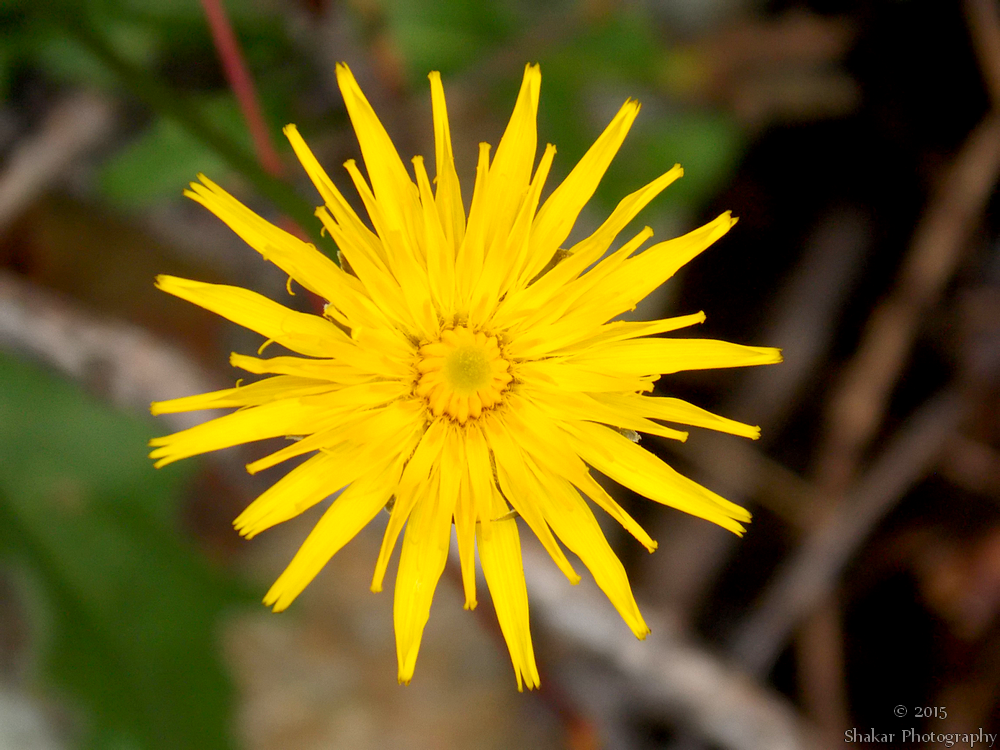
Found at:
[129, 366]
[684, 681]
[983, 19]
[72, 127]
[241, 82]
[819, 655]
[812, 572]
[857, 409]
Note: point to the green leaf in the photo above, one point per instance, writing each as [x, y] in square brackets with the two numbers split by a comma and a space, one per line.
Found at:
[447, 35]
[166, 157]
[129, 609]
[65, 59]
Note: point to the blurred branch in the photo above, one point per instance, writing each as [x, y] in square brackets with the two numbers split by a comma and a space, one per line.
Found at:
[241, 82]
[691, 685]
[983, 19]
[972, 465]
[812, 572]
[803, 318]
[857, 408]
[23, 723]
[126, 365]
[72, 127]
[822, 679]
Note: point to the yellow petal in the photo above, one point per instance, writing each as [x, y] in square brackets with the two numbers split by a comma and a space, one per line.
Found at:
[300, 332]
[543, 440]
[457, 484]
[519, 486]
[448, 198]
[470, 254]
[396, 193]
[569, 405]
[413, 484]
[349, 513]
[634, 279]
[500, 554]
[284, 417]
[424, 554]
[647, 356]
[557, 216]
[439, 250]
[575, 525]
[300, 260]
[254, 394]
[627, 209]
[510, 171]
[676, 410]
[547, 300]
[638, 469]
[319, 369]
[560, 338]
[508, 254]
[336, 421]
[324, 185]
[297, 491]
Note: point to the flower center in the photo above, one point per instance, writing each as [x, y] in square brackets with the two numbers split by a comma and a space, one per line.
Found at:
[462, 373]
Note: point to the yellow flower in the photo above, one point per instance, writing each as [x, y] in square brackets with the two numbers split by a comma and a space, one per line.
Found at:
[466, 369]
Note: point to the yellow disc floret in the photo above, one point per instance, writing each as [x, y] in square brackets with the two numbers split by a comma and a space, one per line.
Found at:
[462, 373]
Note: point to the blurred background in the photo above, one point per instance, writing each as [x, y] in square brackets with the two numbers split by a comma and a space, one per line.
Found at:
[858, 142]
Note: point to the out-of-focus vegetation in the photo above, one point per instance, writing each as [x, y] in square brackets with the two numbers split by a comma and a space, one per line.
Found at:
[122, 610]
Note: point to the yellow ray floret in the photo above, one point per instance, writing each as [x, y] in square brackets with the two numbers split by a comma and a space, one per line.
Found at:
[467, 369]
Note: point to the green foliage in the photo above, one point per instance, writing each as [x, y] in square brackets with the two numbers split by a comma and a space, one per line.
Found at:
[166, 157]
[447, 35]
[65, 59]
[130, 611]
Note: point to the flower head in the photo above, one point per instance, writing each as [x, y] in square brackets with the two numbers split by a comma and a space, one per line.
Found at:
[467, 369]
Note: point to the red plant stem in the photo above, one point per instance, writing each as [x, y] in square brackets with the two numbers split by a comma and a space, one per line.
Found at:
[242, 85]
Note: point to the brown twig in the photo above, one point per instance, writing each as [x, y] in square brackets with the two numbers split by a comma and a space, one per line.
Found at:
[241, 82]
[983, 20]
[122, 362]
[72, 127]
[812, 572]
[972, 465]
[858, 407]
[686, 682]
[819, 657]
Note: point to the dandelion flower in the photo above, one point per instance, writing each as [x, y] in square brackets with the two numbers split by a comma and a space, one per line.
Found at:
[467, 369]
